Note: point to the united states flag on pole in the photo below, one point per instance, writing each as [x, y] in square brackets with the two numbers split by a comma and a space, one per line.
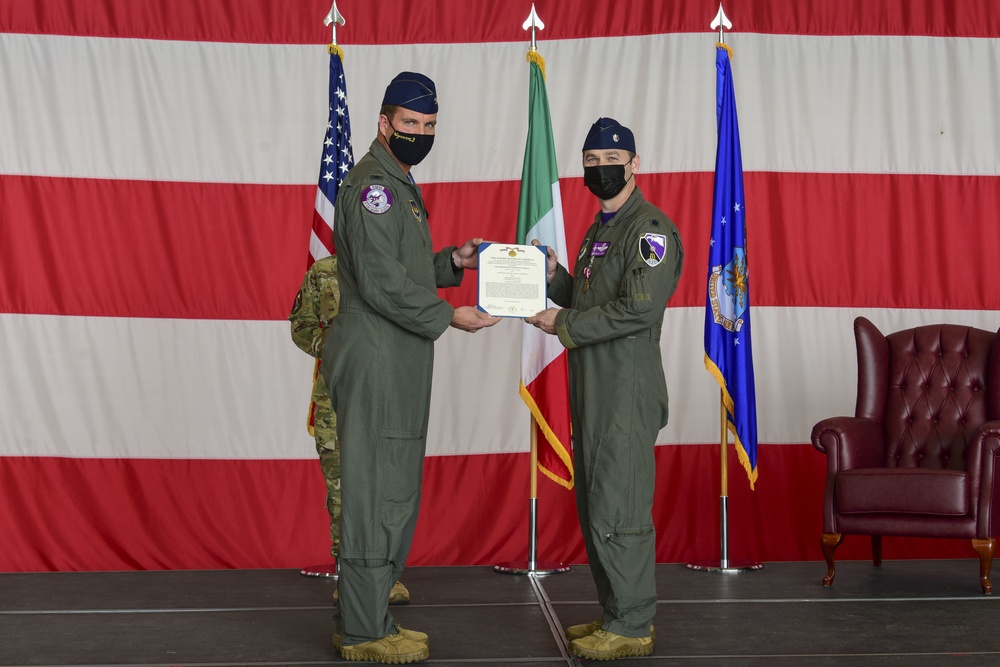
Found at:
[728, 355]
[544, 374]
[337, 160]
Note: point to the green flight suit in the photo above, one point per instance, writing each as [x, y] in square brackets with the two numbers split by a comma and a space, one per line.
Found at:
[618, 398]
[316, 304]
[380, 379]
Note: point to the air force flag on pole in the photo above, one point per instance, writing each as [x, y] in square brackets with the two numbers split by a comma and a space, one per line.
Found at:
[728, 354]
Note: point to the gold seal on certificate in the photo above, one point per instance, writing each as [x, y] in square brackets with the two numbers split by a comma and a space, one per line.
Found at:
[512, 279]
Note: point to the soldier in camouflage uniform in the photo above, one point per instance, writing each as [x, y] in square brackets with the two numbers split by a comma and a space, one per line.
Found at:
[626, 270]
[382, 347]
[316, 304]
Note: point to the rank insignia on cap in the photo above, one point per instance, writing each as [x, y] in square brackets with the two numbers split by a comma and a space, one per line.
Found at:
[652, 248]
[376, 198]
[583, 249]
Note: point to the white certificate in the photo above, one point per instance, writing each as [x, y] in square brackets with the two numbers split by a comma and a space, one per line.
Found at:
[512, 279]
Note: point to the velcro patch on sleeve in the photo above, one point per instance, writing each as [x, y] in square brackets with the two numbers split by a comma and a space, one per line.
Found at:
[376, 198]
[652, 248]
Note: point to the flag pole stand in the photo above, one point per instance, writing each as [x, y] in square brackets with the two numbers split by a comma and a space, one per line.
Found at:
[724, 564]
[331, 571]
[532, 566]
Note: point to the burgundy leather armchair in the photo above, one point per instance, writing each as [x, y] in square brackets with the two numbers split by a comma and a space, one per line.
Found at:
[921, 456]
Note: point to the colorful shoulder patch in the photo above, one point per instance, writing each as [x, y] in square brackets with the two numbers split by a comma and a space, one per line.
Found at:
[376, 198]
[652, 248]
[416, 211]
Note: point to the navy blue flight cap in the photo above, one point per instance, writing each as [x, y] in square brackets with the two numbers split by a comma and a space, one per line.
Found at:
[609, 133]
[412, 91]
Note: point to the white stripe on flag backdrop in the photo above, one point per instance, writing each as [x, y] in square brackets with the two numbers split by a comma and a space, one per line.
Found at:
[158, 178]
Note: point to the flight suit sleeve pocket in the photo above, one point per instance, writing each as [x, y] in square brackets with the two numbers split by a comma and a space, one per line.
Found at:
[636, 291]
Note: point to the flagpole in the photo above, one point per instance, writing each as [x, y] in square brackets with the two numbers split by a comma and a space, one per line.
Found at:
[532, 566]
[333, 18]
[721, 21]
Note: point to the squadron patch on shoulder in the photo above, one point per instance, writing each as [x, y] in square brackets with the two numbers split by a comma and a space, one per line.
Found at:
[652, 248]
[376, 198]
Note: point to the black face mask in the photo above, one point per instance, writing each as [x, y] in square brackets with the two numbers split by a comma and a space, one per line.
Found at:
[410, 149]
[605, 180]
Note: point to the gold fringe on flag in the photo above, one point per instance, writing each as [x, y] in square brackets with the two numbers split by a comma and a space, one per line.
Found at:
[335, 49]
[311, 417]
[536, 57]
[553, 440]
[720, 45]
[727, 400]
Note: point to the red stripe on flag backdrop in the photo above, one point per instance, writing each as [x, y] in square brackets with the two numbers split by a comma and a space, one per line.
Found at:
[128, 520]
[100, 273]
[445, 21]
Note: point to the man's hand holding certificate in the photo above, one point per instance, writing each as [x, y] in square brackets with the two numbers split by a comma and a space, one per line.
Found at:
[512, 279]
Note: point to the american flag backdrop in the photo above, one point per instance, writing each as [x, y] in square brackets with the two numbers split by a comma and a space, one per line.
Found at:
[158, 176]
[337, 160]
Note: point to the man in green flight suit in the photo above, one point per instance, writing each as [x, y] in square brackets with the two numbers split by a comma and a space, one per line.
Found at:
[382, 350]
[316, 304]
[627, 268]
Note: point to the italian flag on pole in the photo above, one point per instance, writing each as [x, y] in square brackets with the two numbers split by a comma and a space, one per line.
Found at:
[544, 374]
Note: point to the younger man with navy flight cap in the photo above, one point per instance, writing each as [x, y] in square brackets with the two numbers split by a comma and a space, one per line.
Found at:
[382, 350]
[626, 270]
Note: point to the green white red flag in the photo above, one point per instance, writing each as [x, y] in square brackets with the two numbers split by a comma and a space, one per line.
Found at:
[544, 373]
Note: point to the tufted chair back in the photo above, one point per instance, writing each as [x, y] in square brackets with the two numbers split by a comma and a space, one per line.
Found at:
[929, 388]
[921, 455]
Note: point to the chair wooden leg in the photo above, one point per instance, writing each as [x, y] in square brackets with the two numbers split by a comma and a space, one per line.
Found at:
[877, 550]
[986, 549]
[830, 543]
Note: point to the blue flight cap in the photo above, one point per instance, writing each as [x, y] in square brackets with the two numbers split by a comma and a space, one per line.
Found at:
[412, 91]
[609, 133]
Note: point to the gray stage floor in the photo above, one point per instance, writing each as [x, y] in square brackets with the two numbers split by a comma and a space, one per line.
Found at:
[913, 613]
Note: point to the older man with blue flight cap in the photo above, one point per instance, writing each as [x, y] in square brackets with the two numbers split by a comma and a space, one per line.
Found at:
[627, 268]
[381, 346]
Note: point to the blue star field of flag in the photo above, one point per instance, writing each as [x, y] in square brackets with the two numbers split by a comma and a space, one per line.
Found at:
[338, 153]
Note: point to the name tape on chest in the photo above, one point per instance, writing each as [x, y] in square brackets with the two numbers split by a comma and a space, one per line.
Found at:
[600, 248]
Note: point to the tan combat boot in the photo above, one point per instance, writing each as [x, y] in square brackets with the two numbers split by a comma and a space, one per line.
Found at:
[604, 645]
[398, 594]
[586, 629]
[393, 650]
[582, 630]
[413, 635]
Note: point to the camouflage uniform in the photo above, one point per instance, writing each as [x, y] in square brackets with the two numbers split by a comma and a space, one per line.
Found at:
[618, 398]
[316, 304]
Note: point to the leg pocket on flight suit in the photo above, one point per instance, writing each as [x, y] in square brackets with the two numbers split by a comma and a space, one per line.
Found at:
[609, 480]
[400, 467]
[622, 475]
